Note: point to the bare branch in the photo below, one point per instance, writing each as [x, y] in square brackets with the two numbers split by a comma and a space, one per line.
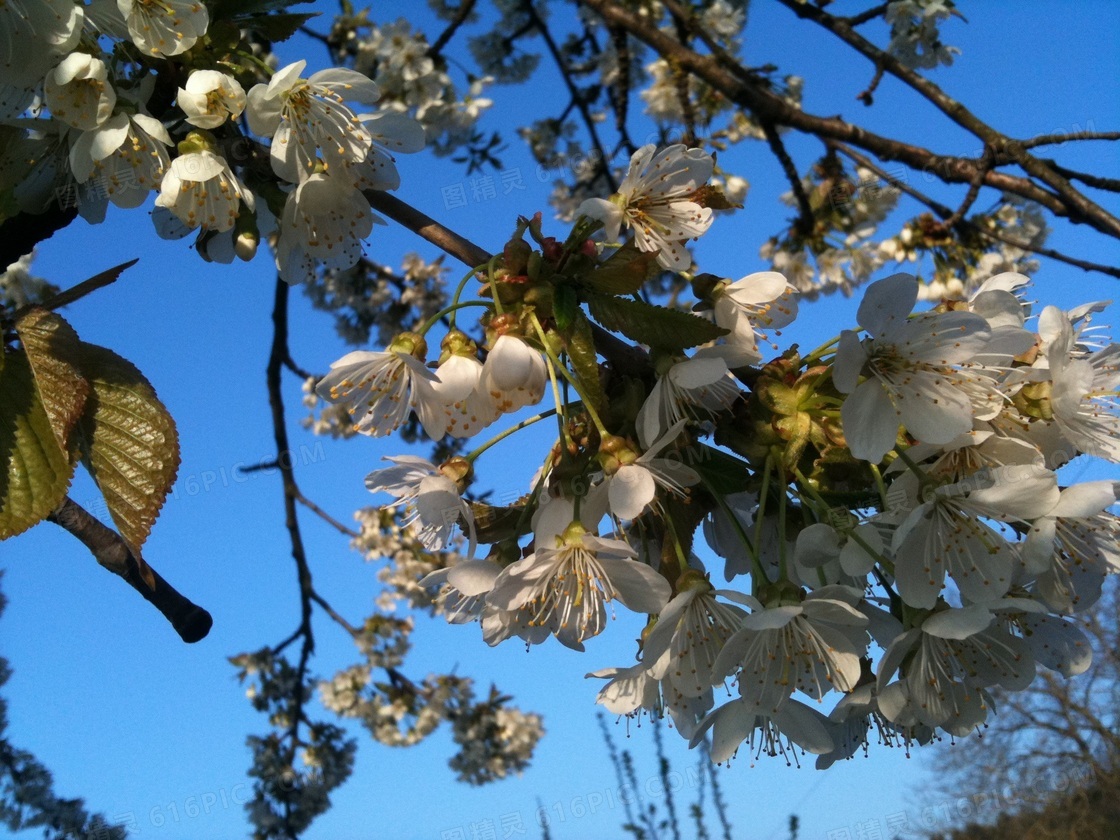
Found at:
[753, 95]
[465, 9]
[1078, 207]
[945, 212]
[190, 621]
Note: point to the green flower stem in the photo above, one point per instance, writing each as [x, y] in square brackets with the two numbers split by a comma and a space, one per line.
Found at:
[880, 485]
[783, 502]
[494, 283]
[924, 480]
[503, 435]
[555, 363]
[459, 289]
[682, 560]
[850, 532]
[756, 564]
[447, 310]
[534, 495]
[762, 500]
[820, 351]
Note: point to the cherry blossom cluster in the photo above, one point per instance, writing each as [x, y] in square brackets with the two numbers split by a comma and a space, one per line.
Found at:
[237, 152]
[895, 537]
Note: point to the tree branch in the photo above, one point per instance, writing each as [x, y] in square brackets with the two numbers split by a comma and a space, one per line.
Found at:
[190, 621]
[768, 106]
[1078, 207]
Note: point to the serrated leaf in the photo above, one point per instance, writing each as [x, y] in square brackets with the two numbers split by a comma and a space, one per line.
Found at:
[241, 8]
[275, 28]
[51, 345]
[623, 273]
[129, 442]
[34, 470]
[655, 326]
[494, 524]
[580, 346]
[722, 473]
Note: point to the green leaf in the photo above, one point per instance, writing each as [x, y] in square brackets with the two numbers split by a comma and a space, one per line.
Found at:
[580, 346]
[722, 473]
[34, 470]
[565, 305]
[275, 28]
[623, 273]
[655, 326]
[129, 442]
[494, 524]
[51, 346]
[243, 8]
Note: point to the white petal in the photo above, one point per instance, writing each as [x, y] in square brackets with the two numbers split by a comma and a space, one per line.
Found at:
[958, 623]
[887, 302]
[630, 490]
[870, 422]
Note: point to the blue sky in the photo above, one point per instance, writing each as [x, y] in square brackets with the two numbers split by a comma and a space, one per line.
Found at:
[127, 716]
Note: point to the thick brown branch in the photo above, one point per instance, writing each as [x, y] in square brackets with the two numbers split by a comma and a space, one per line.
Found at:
[190, 621]
[945, 213]
[769, 107]
[1076, 206]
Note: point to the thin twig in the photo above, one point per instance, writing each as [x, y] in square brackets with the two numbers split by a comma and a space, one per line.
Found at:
[326, 517]
[804, 223]
[573, 91]
[465, 9]
[273, 377]
[1059, 137]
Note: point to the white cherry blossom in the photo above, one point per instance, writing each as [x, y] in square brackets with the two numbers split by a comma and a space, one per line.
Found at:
[126, 155]
[210, 98]
[514, 374]
[761, 301]
[814, 645]
[917, 370]
[165, 27]
[77, 92]
[690, 387]
[632, 487]
[656, 199]
[309, 121]
[202, 191]
[688, 636]
[380, 388]
[947, 534]
[949, 660]
[565, 587]
[324, 222]
[431, 498]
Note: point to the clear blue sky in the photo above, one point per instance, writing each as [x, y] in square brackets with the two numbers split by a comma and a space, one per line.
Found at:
[128, 717]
